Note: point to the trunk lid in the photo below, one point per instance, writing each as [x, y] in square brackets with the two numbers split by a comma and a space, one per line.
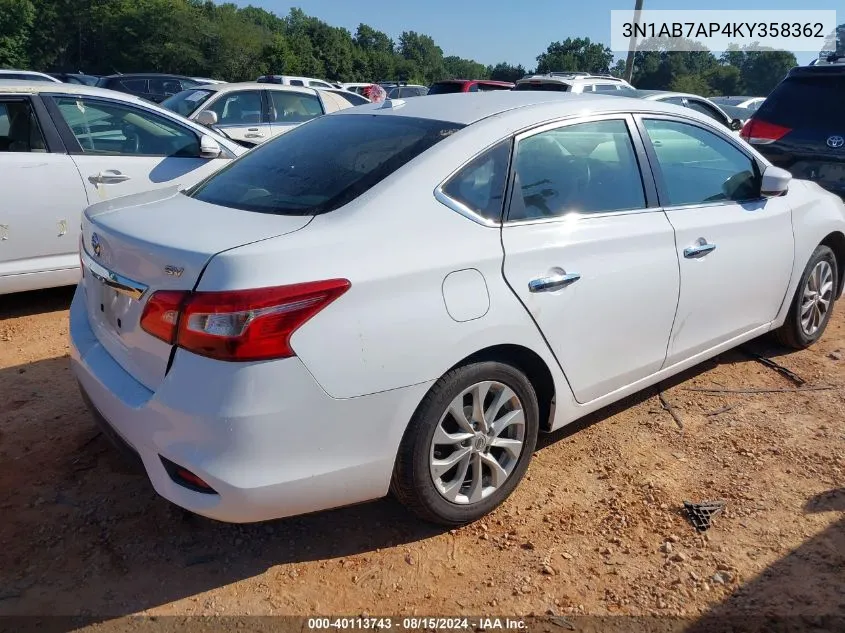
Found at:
[159, 240]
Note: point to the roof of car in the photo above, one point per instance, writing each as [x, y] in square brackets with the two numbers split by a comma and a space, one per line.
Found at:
[254, 85]
[567, 77]
[468, 108]
[145, 75]
[12, 71]
[467, 81]
[20, 86]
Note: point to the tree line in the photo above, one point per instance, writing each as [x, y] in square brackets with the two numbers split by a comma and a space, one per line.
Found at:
[203, 38]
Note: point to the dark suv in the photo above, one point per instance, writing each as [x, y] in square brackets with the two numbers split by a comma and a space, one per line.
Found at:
[801, 125]
[150, 86]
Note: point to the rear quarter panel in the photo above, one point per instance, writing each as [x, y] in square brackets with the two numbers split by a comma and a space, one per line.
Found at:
[396, 244]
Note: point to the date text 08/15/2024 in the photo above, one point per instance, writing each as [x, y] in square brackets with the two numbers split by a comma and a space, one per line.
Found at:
[416, 623]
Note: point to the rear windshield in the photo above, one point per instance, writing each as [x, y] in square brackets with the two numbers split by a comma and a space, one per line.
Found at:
[445, 87]
[551, 86]
[809, 101]
[187, 101]
[300, 173]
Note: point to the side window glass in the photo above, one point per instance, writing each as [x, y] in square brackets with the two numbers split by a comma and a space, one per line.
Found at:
[19, 131]
[679, 101]
[606, 88]
[699, 167]
[698, 106]
[165, 86]
[135, 86]
[480, 185]
[110, 128]
[238, 108]
[296, 82]
[580, 168]
[473, 88]
[293, 107]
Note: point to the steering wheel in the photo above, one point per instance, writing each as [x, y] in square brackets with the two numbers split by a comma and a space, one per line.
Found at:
[132, 144]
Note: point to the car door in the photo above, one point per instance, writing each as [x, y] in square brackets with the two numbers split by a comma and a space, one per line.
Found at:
[735, 247]
[43, 195]
[122, 148]
[590, 254]
[291, 108]
[241, 115]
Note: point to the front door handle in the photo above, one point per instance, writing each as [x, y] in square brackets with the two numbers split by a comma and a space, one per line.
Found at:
[251, 134]
[552, 282]
[109, 177]
[699, 250]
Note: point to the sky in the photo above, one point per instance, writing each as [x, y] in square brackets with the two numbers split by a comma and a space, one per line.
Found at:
[500, 30]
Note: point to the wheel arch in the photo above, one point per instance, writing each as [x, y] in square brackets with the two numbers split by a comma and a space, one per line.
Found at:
[529, 363]
[835, 241]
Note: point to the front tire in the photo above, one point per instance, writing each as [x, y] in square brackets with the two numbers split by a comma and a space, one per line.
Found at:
[812, 304]
[468, 444]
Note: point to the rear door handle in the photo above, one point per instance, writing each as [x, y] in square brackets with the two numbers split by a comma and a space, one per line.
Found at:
[109, 177]
[699, 250]
[552, 282]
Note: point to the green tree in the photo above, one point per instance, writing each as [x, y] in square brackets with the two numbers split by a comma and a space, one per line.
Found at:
[506, 72]
[579, 54]
[16, 20]
[761, 68]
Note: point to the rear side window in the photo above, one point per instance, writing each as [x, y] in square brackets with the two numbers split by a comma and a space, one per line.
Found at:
[480, 186]
[483, 87]
[445, 87]
[187, 101]
[134, 85]
[295, 107]
[606, 88]
[810, 101]
[552, 86]
[299, 173]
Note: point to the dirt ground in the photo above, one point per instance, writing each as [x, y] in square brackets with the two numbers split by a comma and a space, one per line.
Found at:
[596, 528]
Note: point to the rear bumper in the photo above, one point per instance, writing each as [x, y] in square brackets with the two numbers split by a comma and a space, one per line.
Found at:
[264, 436]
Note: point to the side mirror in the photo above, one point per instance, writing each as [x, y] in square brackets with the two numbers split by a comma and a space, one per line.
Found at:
[209, 148]
[775, 182]
[736, 125]
[208, 118]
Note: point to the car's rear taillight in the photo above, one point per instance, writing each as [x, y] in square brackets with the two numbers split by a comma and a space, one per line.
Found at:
[238, 325]
[762, 132]
[161, 314]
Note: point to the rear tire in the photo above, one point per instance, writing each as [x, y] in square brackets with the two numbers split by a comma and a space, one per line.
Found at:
[809, 312]
[468, 444]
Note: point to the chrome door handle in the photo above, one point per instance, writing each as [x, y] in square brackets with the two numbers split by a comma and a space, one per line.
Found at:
[253, 135]
[109, 177]
[698, 251]
[552, 282]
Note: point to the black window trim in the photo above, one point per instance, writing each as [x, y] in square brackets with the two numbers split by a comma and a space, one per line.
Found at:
[646, 172]
[52, 138]
[726, 120]
[662, 190]
[72, 144]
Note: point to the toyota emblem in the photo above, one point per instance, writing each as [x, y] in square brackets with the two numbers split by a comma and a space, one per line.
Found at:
[835, 142]
[95, 244]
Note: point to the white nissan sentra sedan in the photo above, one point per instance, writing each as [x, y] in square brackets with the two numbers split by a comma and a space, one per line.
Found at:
[406, 307]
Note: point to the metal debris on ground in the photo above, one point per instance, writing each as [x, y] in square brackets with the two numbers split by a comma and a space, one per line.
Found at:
[671, 410]
[701, 514]
[768, 362]
[718, 411]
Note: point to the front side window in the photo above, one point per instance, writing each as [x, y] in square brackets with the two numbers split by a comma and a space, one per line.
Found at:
[238, 108]
[699, 167]
[581, 168]
[107, 127]
[484, 87]
[165, 86]
[473, 88]
[300, 173]
[606, 88]
[445, 87]
[549, 86]
[19, 131]
[480, 185]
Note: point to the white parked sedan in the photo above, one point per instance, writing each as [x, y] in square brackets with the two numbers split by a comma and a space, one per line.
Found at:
[66, 146]
[407, 306]
[250, 113]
